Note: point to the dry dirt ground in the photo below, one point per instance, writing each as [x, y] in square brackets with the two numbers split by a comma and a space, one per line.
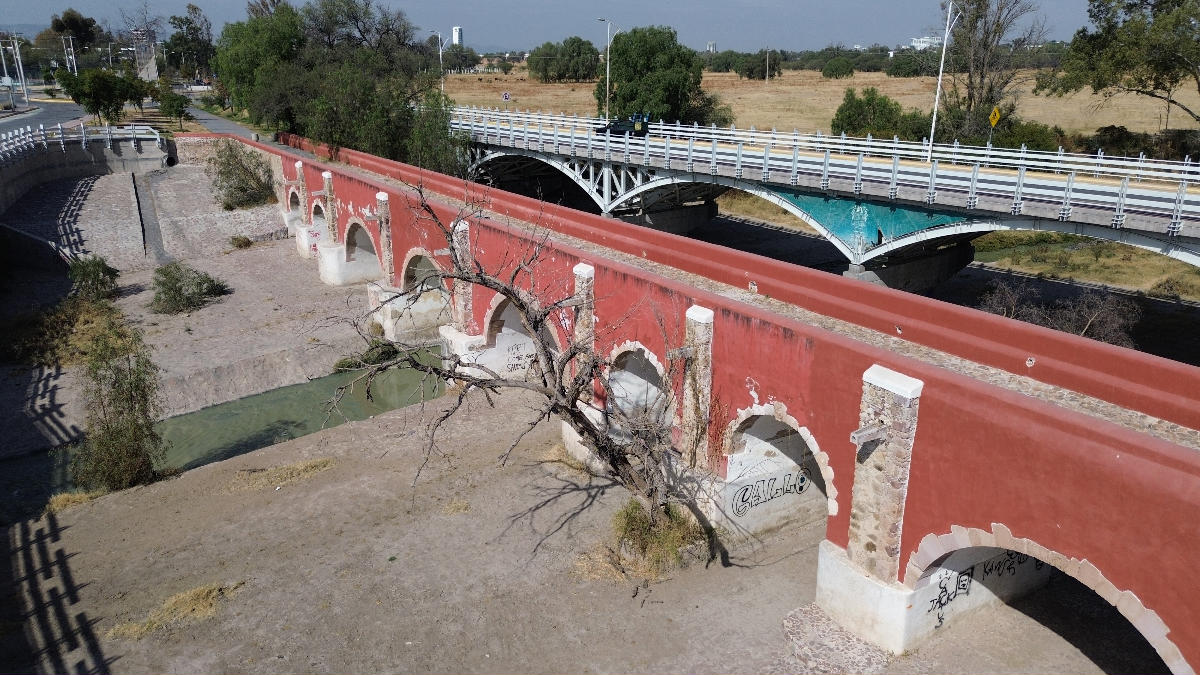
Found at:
[475, 569]
[279, 326]
[802, 99]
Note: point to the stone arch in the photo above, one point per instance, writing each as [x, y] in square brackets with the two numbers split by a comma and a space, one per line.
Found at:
[317, 217]
[640, 382]
[934, 549]
[501, 315]
[294, 201]
[417, 263]
[359, 244]
[778, 412]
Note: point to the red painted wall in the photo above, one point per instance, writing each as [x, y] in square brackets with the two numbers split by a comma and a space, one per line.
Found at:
[1078, 485]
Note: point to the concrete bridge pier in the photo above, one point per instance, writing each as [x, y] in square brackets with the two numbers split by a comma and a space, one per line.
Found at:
[860, 586]
[915, 274]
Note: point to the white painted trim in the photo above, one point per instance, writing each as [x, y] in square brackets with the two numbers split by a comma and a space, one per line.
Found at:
[897, 383]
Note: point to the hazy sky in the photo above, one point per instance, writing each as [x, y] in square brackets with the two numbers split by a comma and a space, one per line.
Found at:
[744, 25]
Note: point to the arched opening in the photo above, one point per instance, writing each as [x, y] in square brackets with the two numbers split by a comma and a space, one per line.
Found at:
[318, 218]
[641, 399]
[1052, 621]
[773, 477]
[424, 306]
[418, 274]
[294, 204]
[511, 350]
[361, 262]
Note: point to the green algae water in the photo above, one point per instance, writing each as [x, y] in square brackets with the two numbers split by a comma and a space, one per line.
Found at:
[234, 428]
[223, 431]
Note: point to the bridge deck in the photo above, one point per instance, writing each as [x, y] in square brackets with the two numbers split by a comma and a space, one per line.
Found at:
[1084, 404]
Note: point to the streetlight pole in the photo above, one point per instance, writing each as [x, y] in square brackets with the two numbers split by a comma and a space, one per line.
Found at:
[608, 35]
[441, 68]
[12, 104]
[942, 67]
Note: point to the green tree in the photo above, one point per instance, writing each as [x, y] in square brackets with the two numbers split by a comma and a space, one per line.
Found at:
[838, 68]
[878, 115]
[429, 145]
[246, 49]
[580, 59]
[121, 446]
[458, 57]
[1145, 47]
[754, 66]
[175, 106]
[543, 61]
[190, 48]
[82, 28]
[99, 92]
[573, 59]
[652, 73]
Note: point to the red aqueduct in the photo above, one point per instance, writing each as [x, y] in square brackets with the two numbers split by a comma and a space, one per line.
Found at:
[984, 450]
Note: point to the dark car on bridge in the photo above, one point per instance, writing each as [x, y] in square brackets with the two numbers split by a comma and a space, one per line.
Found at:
[637, 124]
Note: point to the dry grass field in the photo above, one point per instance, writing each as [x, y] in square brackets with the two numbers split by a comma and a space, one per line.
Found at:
[804, 100]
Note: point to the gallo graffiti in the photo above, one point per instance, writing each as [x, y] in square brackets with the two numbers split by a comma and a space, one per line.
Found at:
[763, 491]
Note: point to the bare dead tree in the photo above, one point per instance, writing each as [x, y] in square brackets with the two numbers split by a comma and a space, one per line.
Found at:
[631, 439]
[1106, 317]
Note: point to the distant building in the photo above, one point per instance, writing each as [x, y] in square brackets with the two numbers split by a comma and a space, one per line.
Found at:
[923, 43]
[712, 48]
[456, 35]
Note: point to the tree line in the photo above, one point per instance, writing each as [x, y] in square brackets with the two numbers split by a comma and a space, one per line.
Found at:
[349, 73]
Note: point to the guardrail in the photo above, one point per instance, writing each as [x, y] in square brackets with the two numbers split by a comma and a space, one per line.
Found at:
[1137, 168]
[1065, 180]
[14, 144]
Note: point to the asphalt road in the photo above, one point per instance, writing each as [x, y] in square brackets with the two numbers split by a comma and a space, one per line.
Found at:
[48, 114]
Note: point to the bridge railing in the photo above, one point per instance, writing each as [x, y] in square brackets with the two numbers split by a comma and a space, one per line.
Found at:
[827, 159]
[19, 142]
[1136, 168]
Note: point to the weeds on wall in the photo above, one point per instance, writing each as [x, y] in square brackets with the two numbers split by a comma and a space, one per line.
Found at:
[241, 176]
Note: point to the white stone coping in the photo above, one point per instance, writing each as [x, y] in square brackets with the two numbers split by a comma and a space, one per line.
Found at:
[699, 314]
[381, 196]
[897, 383]
[584, 270]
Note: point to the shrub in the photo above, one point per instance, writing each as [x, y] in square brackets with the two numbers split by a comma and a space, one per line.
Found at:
[838, 68]
[660, 542]
[179, 288]
[52, 92]
[121, 446]
[241, 177]
[92, 278]
[240, 241]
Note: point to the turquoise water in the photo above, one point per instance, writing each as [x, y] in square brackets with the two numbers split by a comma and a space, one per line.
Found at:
[237, 427]
[844, 217]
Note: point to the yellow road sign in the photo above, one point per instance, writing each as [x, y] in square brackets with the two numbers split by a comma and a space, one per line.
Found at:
[994, 117]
